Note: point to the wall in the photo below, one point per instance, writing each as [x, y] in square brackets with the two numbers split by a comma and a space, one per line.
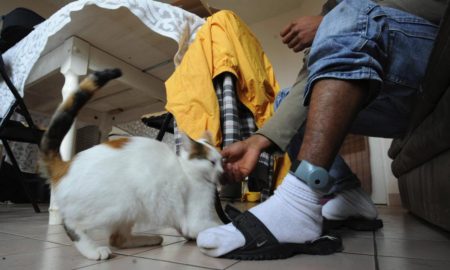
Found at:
[384, 183]
[286, 63]
[42, 7]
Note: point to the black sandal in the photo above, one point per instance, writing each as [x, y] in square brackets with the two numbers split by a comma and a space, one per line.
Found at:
[260, 244]
[357, 224]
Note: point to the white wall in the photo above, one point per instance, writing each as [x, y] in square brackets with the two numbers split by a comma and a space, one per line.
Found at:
[384, 183]
[285, 62]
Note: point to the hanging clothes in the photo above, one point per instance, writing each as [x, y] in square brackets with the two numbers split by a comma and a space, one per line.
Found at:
[223, 44]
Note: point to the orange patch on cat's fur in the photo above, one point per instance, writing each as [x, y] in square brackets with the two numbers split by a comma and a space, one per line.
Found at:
[118, 143]
[57, 168]
[88, 85]
[199, 151]
[117, 240]
[67, 104]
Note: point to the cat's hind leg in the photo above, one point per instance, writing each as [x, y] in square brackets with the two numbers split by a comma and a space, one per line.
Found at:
[122, 238]
[86, 245]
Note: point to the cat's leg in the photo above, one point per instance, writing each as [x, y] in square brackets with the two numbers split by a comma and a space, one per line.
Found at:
[86, 245]
[122, 238]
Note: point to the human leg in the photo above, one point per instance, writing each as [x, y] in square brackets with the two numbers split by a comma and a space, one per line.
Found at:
[388, 113]
[347, 199]
[216, 241]
[334, 105]
[361, 63]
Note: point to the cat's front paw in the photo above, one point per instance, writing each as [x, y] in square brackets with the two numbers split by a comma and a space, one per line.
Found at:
[102, 253]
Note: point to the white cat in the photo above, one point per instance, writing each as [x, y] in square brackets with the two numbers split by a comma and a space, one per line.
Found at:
[116, 184]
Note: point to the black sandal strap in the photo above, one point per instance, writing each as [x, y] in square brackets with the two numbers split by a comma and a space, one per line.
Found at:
[255, 232]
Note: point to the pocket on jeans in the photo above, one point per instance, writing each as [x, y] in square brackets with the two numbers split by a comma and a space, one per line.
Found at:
[411, 40]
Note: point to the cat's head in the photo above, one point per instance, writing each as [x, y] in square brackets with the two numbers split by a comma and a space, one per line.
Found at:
[204, 155]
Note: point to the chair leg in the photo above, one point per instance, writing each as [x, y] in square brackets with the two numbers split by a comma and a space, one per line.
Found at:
[164, 126]
[21, 177]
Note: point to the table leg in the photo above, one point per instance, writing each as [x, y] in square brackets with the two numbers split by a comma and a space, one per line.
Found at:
[74, 66]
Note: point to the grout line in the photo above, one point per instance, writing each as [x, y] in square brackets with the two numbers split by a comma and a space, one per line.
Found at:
[415, 258]
[98, 262]
[155, 248]
[232, 265]
[375, 251]
[34, 238]
[356, 253]
[162, 234]
[411, 239]
[185, 264]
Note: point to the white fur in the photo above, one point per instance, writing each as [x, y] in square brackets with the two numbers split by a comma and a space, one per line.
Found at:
[144, 181]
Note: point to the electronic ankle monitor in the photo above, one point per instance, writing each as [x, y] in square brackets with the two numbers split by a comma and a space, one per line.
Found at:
[314, 176]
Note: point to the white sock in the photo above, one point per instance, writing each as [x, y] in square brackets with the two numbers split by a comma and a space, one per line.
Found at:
[292, 215]
[350, 203]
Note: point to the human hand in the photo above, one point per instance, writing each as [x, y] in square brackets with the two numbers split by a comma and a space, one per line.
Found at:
[299, 34]
[240, 158]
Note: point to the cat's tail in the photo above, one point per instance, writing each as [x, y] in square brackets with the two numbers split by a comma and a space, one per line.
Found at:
[52, 165]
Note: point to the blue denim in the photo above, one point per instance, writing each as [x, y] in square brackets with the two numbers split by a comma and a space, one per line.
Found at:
[360, 40]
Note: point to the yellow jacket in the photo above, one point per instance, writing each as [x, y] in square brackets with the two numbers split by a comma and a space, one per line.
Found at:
[223, 44]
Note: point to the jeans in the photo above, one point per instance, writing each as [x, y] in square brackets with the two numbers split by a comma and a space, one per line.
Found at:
[360, 40]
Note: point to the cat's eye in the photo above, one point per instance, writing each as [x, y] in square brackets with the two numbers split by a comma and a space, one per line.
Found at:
[213, 162]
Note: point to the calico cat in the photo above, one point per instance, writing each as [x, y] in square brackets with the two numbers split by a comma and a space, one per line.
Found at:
[116, 184]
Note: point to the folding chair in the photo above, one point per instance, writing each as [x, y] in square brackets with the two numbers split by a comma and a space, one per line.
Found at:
[164, 123]
[16, 25]
[11, 130]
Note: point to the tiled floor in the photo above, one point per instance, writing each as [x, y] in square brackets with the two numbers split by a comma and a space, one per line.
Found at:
[405, 243]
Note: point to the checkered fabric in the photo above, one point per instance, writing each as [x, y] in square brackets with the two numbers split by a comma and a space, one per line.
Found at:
[237, 124]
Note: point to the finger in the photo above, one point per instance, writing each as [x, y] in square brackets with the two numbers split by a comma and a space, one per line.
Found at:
[288, 37]
[294, 42]
[234, 173]
[225, 152]
[299, 47]
[286, 29]
[228, 167]
[228, 155]
[238, 174]
[228, 176]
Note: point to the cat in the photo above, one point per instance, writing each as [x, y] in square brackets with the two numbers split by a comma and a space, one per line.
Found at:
[116, 184]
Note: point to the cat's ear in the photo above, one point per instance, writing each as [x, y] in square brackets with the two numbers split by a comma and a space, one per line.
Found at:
[207, 136]
[186, 142]
[193, 148]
